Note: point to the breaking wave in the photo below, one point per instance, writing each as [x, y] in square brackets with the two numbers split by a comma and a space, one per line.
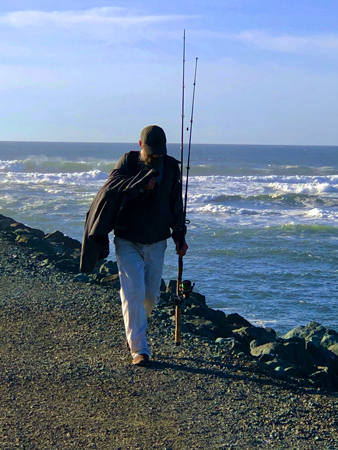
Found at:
[54, 165]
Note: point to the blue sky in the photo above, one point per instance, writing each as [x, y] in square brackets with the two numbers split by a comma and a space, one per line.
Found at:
[80, 70]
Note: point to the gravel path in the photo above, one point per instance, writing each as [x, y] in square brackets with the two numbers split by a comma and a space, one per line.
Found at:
[66, 379]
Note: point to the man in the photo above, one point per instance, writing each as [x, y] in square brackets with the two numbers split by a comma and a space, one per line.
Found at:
[142, 202]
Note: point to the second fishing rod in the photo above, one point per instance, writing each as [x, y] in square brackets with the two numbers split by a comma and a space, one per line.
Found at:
[183, 288]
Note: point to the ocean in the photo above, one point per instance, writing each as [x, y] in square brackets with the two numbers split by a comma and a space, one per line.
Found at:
[263, 232]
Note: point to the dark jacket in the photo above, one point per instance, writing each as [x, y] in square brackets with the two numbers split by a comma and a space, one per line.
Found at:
[121, 204]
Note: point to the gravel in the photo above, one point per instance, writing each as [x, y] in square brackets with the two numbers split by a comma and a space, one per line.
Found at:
[67, 382]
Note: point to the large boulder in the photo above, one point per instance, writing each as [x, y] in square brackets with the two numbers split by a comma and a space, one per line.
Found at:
[231, 343]
[325, 376]
[320, 342]
[323, 356]
[260, 335]
[218, 323]
[34, 242]
[295, 353]
[5, 222]
[236, 321]
[216, 317]
[59, 238]
[207, 328]
[314, 332]
[21, 229]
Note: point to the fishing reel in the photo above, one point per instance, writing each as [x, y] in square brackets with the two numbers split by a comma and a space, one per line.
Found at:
[184, 290]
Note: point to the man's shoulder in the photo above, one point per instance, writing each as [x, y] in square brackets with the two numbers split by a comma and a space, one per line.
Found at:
[127, 160]
[133, 154]
[171, 160]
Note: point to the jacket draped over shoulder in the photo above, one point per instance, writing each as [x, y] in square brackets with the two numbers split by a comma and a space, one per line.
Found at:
[103, 213]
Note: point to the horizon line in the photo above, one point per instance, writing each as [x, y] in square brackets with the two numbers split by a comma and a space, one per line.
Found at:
[170, 143]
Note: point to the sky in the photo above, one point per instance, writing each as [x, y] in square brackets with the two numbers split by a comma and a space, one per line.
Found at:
[100, 71]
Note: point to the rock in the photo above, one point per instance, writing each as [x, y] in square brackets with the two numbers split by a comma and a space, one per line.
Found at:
[163, 286]
[294, 352]
[260, 335]
[225, 341]
[203, 328]
[185, 328]
[254, 344]
[320, 377]
[220, 327]
[265, 352]
[320, 342]
[58, 248]
[34, 242]
[65, 265]
[297, 355]
[291, 371]
[195, 298]
[323, 356]
[324, 377]
[109, 267]
[5, 222]
[334, 349]
[314, 332]
[82, 278]
[164, 300]
[217, 317]
[59, 238]
[111, 280]
[272, 364]
[97, 277]
[288, 370]
[231, 344]
[237, 321]
[329, 340]
[171, 287]
[20, 228]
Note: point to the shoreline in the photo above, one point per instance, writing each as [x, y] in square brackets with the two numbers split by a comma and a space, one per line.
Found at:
[67, 378]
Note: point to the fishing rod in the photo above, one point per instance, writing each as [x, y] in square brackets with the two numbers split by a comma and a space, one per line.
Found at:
[183, 289]
[189, 147]
[182, 113]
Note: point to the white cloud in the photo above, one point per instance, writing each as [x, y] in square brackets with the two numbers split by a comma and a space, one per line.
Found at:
[286, 43]
[94, 16]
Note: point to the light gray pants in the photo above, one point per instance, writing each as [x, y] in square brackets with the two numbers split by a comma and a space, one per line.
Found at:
[140, 271]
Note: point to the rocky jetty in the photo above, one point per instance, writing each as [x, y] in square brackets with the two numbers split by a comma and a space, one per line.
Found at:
[309, 352]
